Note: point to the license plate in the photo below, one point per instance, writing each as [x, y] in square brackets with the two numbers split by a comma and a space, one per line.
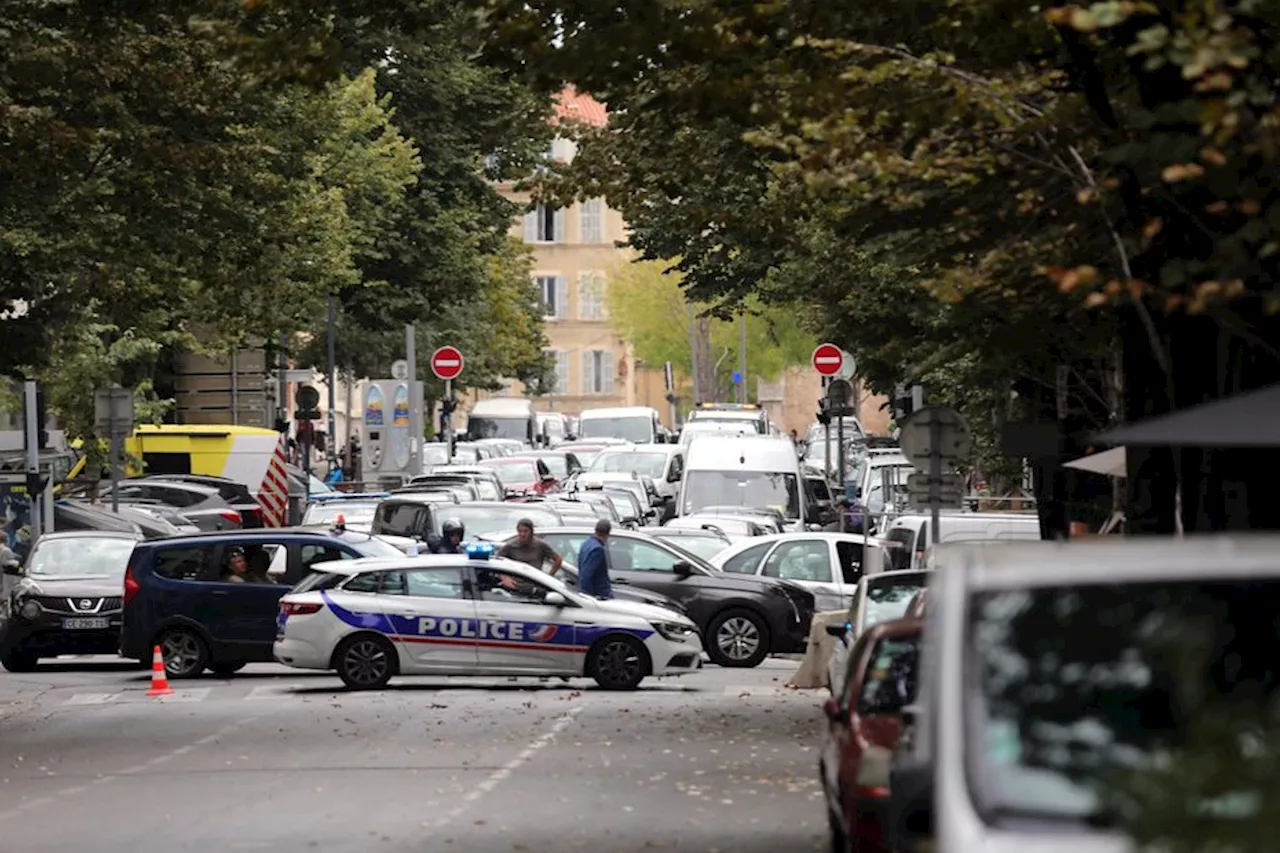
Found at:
[85, 624]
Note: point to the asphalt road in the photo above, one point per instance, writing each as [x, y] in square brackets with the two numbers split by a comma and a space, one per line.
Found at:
[274, 759]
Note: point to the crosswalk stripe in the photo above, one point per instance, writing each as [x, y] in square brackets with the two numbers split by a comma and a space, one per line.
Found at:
[193, 694]
[91, 699]
[273, 691]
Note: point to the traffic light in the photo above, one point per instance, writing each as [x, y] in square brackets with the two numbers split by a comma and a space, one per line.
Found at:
[449, 406]
[40, 421]
[823, 415]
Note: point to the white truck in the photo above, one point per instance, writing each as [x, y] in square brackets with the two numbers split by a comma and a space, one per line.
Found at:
[748, 471]
[504, 417]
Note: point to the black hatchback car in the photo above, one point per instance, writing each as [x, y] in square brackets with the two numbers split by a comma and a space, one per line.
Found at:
[66, 599]
[742, 618]
[179, 595]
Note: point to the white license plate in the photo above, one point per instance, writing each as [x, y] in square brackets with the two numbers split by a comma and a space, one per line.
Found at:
[85, 624]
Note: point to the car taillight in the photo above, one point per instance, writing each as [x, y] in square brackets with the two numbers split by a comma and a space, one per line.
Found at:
[293, 608]
[872, 792]
[131, 586]
[231, 515]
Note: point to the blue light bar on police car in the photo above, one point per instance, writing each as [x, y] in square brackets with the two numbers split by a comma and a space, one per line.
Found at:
[481, 550]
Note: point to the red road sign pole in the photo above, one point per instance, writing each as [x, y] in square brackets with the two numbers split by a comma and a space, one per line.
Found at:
[827, 359]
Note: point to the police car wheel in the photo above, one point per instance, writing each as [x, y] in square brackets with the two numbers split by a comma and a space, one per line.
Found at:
[618, 663]
[185, 654]
[365, 662]
[737, 638]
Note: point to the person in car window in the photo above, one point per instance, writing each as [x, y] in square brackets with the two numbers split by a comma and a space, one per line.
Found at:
[451, 541]
[530, 550]
[239, 571]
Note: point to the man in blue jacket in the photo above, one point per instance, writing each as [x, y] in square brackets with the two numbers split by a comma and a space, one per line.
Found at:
[593, 562]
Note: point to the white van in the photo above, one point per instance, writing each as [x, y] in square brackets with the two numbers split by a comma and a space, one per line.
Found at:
[749, 471]
[636, 424]
[503, 417]
[739, 414]
[907, 537]
[553, 428]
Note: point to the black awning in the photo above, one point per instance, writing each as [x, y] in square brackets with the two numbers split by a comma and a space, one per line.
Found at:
[1248, 419]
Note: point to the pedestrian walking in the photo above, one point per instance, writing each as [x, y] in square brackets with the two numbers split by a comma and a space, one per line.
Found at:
[530, 550]
[593, 562]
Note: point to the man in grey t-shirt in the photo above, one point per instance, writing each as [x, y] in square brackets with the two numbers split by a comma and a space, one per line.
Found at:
[530, 550]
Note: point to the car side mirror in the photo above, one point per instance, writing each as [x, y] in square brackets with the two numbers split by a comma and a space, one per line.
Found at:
[673, 477]
[838, 630]
[682, 569]
[12, 567]
[831, 708]
[555, 599]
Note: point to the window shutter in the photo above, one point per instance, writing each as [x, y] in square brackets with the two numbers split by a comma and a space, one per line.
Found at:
[558, 233]
[606, 387]
[599, 283]
[588, 372]
[531, 227]
[562, 296]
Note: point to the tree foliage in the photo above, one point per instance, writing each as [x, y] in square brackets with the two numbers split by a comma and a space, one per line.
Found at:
[198, 174]
[648, 307]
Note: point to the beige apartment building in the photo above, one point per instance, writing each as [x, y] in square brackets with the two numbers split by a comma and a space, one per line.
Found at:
[574, 250]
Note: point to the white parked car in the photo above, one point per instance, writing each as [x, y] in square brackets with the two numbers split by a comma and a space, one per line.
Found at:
[827, 564]
[473, 614]
[879, 598]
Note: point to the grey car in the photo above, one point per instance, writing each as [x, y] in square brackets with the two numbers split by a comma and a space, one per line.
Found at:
[66, 599]
[202, 505]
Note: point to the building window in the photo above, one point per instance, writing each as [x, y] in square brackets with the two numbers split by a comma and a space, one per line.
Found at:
[592, 213]
[597, 372]
[591, 296]
[544, 224]
[554, 292]
[561, 361]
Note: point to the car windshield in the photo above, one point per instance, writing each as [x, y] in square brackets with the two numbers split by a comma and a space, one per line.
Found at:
[705, 547]
[636, 428]
[374, 547]
[81, 556]
[760, 489]
[896, 476]
[559, 465]
[629, 461]
[1084, 701]
[479, 520]
[486, 427]
[516, 473]
[435, 454]
[750, 423]
[352, 512]
[889, 597]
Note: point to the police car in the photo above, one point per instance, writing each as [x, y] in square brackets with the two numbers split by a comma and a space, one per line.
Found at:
[472, 614]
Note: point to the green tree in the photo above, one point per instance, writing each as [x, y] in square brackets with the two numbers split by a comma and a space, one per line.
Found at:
[649, 307]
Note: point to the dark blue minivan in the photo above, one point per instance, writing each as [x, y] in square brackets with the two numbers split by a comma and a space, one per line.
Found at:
[210, 601]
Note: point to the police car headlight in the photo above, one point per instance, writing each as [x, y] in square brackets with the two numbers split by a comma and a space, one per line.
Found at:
[31, 610]
[673, 631]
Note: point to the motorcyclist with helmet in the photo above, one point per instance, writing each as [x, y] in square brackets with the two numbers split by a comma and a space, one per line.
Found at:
[450, 541]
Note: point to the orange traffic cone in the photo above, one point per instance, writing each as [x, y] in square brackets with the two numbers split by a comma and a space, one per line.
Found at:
[159, 678]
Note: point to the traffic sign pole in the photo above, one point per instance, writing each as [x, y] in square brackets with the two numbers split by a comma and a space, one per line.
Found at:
[447, 363]
[935, 479]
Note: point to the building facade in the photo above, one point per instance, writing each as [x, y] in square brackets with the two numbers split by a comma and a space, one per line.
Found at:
[575, 249]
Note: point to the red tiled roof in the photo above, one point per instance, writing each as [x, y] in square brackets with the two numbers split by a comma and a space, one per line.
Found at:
[572, 105]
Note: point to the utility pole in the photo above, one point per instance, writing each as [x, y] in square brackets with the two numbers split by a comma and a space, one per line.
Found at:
[331, 373]
[693, 358]
[742, 352]
[415, 408]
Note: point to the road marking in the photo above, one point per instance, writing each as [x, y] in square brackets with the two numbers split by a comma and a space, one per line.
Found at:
[274, 691]
[92, 698]
[17, 811]
[494, 779]
[191, 694]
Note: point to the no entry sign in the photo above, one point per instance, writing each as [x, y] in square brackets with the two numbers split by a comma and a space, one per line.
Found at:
[446, 363]
[827, 359]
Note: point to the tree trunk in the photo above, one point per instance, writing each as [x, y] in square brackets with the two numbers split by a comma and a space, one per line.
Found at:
[704, 361]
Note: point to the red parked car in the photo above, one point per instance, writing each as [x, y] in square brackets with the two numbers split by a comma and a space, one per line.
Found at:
[864, 725]
[523, 475]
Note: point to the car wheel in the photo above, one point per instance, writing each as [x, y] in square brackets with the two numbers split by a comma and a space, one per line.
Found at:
[618, 662]
[738, 638]
[225, 670]
[365, 662]
[185, 653]
[839, 841]
[18, 660]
